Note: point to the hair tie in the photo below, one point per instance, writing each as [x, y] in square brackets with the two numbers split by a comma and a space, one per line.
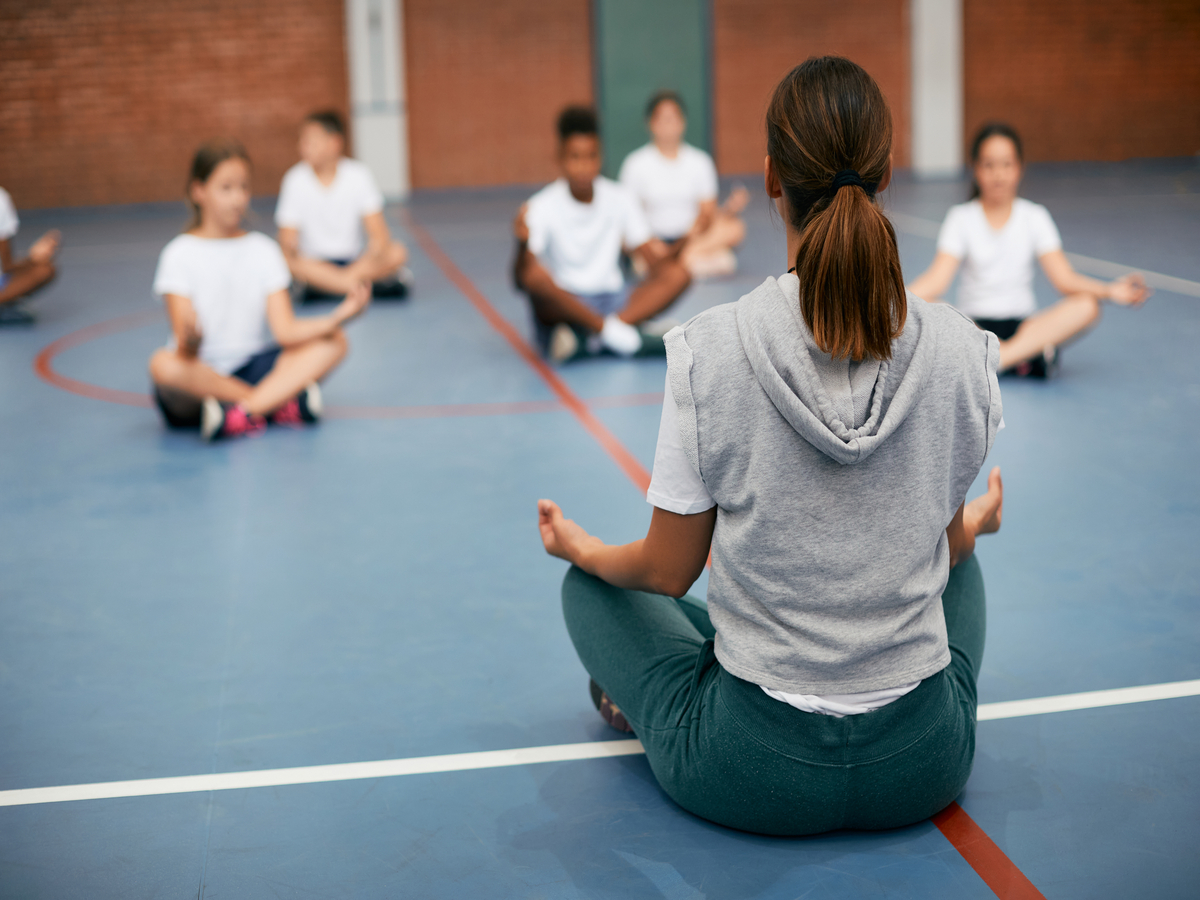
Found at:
[849, 176]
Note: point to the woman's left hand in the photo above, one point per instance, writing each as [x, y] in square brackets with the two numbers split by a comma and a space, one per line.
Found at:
[562, 537]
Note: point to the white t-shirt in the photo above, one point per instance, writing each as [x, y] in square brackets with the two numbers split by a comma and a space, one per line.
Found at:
[228, 282]
[997, 266]
[329, 219]
[581, 243]
[670, 190]
[9, 223]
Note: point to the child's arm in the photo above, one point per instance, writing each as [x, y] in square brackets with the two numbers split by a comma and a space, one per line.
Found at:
[935, 281]
[1128, 290]
[184, 325]
[6, 260]
[668, 560]
[378, 236]
[291, 331]
[289, 243]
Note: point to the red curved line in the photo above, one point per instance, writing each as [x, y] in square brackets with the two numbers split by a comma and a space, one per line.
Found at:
[43, 363]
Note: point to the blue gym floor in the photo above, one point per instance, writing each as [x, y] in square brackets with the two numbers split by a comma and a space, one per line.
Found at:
[375, 589]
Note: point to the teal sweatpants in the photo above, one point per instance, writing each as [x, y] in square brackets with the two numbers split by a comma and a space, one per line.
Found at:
[723, 750]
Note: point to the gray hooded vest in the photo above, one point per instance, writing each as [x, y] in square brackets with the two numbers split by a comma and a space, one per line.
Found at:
[834, 483]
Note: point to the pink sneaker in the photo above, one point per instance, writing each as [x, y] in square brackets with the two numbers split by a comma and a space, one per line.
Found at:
[217, 421]
[288, 414]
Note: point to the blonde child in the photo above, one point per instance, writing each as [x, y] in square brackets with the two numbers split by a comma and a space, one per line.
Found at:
[238, 355]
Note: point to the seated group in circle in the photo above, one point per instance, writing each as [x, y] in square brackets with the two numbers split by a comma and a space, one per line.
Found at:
[239, 358]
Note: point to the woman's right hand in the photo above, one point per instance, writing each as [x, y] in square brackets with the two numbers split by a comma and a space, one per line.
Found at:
[982, 515]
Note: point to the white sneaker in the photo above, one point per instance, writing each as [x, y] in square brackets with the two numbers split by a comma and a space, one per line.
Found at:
[212, 417]
[620, 337]
[563, 343]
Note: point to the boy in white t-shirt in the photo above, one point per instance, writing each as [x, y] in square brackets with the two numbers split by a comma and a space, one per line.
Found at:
[327, 204]
[996, 236]
[21, 277]
[676, 185]
[570, 236]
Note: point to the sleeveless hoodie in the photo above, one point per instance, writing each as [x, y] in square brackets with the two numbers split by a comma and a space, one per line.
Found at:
[834, 483]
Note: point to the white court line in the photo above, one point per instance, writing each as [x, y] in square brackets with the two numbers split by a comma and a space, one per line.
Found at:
[491, 759]
[919, 227]
[1011, 709]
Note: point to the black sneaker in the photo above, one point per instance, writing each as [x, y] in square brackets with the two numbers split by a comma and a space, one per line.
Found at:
[15, 314]
[311, 403]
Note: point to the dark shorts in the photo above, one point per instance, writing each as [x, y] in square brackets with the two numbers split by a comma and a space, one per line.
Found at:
[1001, 328]
[252, 371]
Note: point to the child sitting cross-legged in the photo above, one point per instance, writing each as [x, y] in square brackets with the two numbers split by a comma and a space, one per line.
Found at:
[327, 204]
[21, 277]
[570, 236]
[239, 357]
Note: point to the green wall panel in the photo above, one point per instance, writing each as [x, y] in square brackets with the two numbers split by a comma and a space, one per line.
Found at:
[642, 46]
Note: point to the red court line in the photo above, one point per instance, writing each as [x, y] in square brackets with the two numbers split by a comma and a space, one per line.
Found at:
[42, 364]
[989, 862]
[627, 461]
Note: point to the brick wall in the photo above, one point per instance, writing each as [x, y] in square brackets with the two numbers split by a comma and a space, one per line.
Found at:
[1086, 79]
[485, 83]
[105, 102]
[756, 43]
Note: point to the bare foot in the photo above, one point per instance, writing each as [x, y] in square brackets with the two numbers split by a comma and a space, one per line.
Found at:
[982, 515]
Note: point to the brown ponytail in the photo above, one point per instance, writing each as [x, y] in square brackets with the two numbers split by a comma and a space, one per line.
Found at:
[829, 137]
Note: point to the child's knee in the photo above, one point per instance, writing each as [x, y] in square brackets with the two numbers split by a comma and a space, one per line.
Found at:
[164, 367]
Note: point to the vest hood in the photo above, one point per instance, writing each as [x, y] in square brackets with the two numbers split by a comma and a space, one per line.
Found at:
[843, 408]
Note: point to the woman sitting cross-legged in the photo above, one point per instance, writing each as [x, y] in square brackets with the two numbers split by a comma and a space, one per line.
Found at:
[819, 436]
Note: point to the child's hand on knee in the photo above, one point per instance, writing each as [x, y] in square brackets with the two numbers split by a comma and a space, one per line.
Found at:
[1129, 290]
[357, 299]
[45, 247]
